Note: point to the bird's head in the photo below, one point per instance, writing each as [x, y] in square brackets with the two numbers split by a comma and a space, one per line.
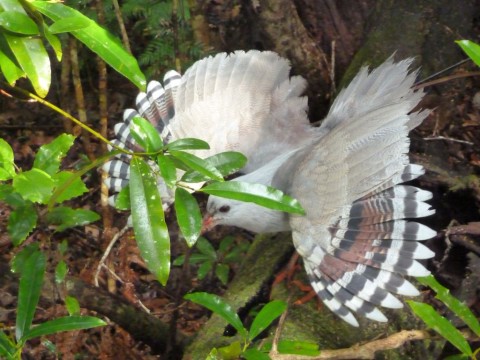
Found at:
[245, 215]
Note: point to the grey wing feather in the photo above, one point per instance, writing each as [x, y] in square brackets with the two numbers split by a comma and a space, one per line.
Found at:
[354, 241]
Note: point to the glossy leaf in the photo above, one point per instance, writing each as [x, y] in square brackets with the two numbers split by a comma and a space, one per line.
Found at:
[21, 222]
[259, 194]
[145, 134]
[7, 346]
[72, 305]
[69, 24]
[54, 42]
[8, 66]
[298, 348]
[7, 169]
[226, 163]
[18, 22]
[187, 144]
[188, 215]
[205, 247]
[204, 269]
[71, 185]
[33, 58]
[230, 352]
[220, 307]
[254, 354]
[167, 170]
[50, 155]
[149, 224]
[31, 281]
[471, 49]
[266, 316]
[122, 202]
[197, 164]
[65, 217]
[222, 272]
[34, 185]
[459, 308]
[441, 325]
[61, 271]
[66, 323]
[97, 39]
[22, 256]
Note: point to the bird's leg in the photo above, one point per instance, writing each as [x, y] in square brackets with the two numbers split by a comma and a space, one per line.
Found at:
[288, 271]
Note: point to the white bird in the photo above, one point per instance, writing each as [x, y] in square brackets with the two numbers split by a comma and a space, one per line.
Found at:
[347, 174]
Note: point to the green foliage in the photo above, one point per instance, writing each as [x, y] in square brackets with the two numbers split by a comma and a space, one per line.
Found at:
[244, 348]
[27, 191]
[153, 22]
[471, 49]
[25, 32]
[31, 264]
[442, 325]
[213, 261]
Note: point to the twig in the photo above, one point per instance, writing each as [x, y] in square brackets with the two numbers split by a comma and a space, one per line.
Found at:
[449, 139]
[363, 351]
[101, 264]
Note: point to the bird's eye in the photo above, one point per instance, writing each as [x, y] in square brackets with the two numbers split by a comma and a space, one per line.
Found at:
[224, 208]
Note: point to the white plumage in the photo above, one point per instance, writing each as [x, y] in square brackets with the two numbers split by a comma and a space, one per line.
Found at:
[354, 241]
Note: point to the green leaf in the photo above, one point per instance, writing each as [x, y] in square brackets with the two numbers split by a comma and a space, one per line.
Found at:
[230, 352]
[460, 309]
[226, 243]
[66, 323]
[50, 155]
[18, 22]
[20, 259]
[145, 134]
[220, 307]
[21, 222]
[195, 258]
[7, 169]
[255, 354]
[31, 281]
[471, 49]
[33, 59]
[72, 305]
[65, 217]
[122, 202]
[226, 163]
[34, 185]
[71, 186]
[188, 215]
[222, 272]
[54, 42]
[441, 325]
[187, 144]
[206, 248]
[69, 24]
[197, 164]
[266, 316]
[97, 39]
[149, 224]
[8, 66]
[167, 170]
[7, 346]
[298, 348]
[204, 269]
[61, 271]
[259, 194]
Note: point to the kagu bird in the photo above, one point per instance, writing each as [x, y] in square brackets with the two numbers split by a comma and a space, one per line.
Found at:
[347, 173]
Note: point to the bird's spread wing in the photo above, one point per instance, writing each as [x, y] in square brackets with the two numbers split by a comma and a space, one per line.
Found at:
[354, 240]
[157, 106]
[244, 101]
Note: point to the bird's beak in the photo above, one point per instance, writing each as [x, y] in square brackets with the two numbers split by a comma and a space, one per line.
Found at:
[207, 224]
